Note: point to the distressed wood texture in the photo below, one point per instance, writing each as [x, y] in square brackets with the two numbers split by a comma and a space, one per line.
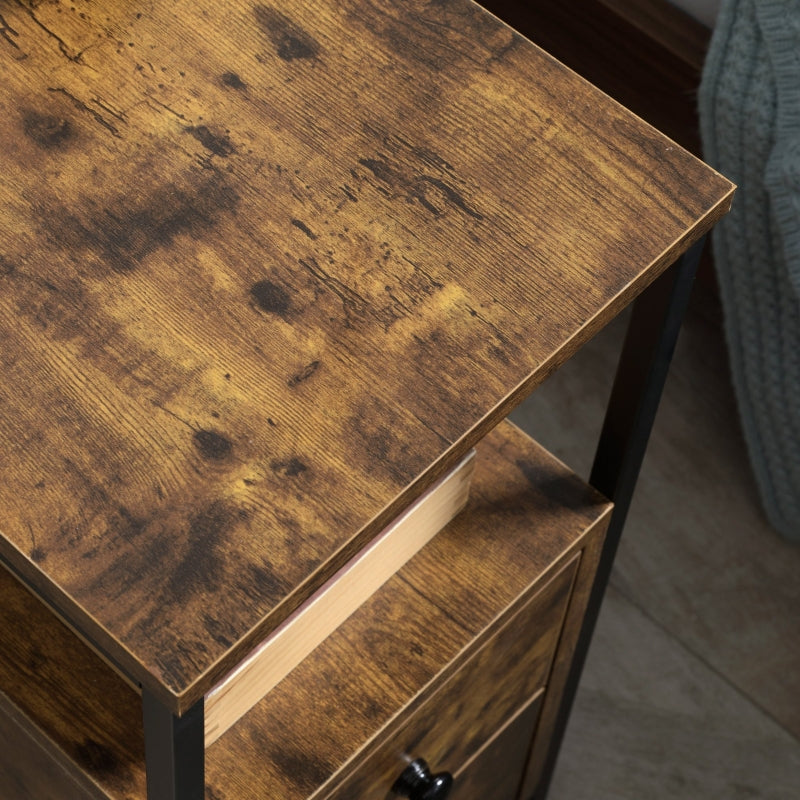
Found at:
[495, 772]
[73, 719]
[454, 725]
[527, 518]
[332, 604]
[266, 272]
[647, 54]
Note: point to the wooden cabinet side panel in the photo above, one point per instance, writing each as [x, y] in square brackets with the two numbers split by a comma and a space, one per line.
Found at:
[29, 766]
[563, 659]
[87, 714]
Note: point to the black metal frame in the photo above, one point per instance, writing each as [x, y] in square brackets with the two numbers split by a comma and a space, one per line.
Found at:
[641, 374]
[174, 751]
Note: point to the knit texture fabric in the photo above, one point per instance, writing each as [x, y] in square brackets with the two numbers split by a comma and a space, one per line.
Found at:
[750, 123]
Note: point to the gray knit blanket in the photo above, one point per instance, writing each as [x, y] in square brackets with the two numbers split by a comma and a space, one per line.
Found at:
[750, 123]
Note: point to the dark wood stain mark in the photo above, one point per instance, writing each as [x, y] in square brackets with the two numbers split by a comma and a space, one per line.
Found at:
[81, 106]
[533, 472]
[95, 493]
[375, 446]
[499, 354]
[290, 468]
[61, 311]
[303, 375]
[271, 297]
[382, 171]
[289, 39]
[267, 580]
[305, 770]
[6, 267]
[47, 130]
[212, 445]
[96, 757]
[219, 144]
[428, 156]
[6, 31]
[560, 491]
[451, 194]
[353, 303]
[222, 634]
[126, 231]
[130, 526]
[300, 225]
[233, 81]
[125, 527]
[38, 555]
[202, 567]
[417, 187]
[372, 709]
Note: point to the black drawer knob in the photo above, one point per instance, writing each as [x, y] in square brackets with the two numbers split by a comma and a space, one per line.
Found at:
[417, 783]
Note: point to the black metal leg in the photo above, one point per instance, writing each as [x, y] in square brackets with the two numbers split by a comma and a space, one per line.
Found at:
[641, 374]
[174, 751]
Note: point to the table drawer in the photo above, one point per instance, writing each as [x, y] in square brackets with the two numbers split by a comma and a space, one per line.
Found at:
[467, 711]
[496, 770]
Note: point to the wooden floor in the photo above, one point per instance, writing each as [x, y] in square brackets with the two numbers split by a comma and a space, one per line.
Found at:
[692, 688]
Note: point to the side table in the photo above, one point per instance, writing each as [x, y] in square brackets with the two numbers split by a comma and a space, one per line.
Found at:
[269, 273]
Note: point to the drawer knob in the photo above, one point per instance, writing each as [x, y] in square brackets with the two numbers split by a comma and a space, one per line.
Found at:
[417, 783]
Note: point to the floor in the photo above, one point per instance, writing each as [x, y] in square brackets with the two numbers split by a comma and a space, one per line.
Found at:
[692, 687]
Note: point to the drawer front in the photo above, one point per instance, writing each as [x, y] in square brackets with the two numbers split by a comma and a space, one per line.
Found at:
[468, 710]
[496, 771]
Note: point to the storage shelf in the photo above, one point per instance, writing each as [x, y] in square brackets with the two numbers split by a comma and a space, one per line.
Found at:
[525, 518]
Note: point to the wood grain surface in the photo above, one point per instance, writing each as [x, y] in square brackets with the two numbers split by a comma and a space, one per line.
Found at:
[417, 632]
[267, 272]
[29, 770]
[89, 721]
[454, 724]
[335, 601]
[342, 702]
[494, 772]
[647, 54]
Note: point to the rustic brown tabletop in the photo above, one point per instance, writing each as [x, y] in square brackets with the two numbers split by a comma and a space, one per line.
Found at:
[266, 272]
